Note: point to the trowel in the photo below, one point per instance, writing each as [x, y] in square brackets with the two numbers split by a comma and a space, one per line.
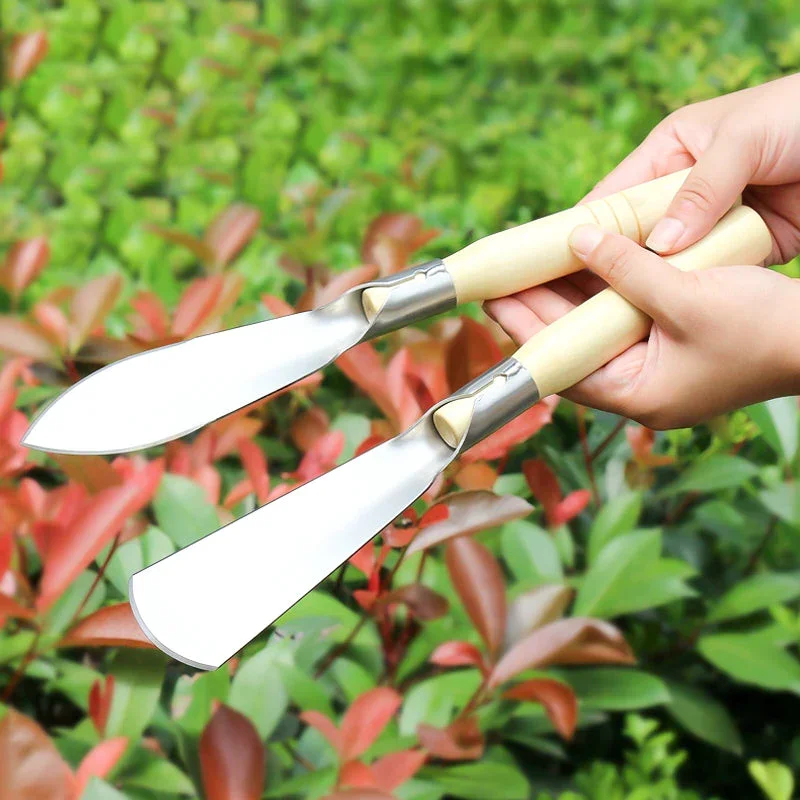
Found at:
[204, 603]
[158, 395]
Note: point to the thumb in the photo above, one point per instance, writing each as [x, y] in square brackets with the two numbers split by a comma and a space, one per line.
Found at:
[641, 277]
[709, 191]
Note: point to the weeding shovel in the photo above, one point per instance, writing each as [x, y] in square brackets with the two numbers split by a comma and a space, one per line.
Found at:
[153, 397]
[204, 603]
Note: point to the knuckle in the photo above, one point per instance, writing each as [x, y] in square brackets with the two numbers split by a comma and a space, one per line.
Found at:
[697, 193]
[615, 256]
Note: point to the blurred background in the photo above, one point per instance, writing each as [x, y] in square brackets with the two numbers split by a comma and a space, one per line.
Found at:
[588, 609]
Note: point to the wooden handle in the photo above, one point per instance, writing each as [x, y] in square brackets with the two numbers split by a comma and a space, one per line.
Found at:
[537, 251]
[606, 325]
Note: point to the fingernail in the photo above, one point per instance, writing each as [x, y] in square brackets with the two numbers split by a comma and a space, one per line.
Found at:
[585, 238]
[665, 235]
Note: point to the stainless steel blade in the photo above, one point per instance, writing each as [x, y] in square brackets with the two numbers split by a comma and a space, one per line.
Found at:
[159, 395]
[202, 604]
[153, 397]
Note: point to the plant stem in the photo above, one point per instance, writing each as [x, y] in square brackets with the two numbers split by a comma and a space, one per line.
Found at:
[297, 757]
[97, 578]
[607, 441]
[341, 647]
[752, 562]
[20, 670]
[587, 456]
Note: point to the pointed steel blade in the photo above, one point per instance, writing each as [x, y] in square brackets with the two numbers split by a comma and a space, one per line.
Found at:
[153, 397]
[204, 603]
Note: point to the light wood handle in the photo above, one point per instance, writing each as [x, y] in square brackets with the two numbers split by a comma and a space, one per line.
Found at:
[605, 325]
[537, 252]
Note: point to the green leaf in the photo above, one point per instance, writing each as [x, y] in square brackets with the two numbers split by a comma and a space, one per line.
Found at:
[756, 593]
[616, 517]
[148, 771]
[355, 428]
[713, 474]
[752, 658]
[141, 552]
[182, 511]
[194, 697]
[775, 779]
[97, 789]
[704, 716]
[138, 675]
[62, 615]
[434, 700]
[620, 560]
[304, 691]
[257, 691]
[479, 781]
[778, 422]
[530, 553]
[783, 500]
[617, 689]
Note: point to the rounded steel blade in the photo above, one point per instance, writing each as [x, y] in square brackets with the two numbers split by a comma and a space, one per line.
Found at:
[204, 603]
[153, 397]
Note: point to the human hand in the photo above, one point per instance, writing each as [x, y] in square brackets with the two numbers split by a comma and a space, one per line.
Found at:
[721, 338]
[747, 137]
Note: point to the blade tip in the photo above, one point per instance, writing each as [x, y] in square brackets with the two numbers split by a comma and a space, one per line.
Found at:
[156, 641]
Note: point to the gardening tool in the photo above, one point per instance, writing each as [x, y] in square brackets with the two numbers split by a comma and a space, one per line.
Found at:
[153, 397]
[204, 603]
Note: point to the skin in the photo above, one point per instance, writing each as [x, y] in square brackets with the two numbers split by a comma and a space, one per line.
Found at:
[712, 348]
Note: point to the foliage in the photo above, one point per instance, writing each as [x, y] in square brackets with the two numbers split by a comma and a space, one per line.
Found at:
[174, 168]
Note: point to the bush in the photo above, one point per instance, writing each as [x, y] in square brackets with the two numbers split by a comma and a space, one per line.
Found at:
[173, 168]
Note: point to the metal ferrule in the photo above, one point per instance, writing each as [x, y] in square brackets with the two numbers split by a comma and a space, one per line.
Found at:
[417, 293]
[500, 394]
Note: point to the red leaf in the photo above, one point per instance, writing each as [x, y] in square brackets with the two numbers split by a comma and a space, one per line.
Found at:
[192, 243]
[230, 231]
[100, 696]
[343, 282]
[325, 726]
[461, 741]
[363, 366]
[100, 521]
[112, 626]
[92, 472]
[570, 506]
[321, 457]
[25, 53]
[470, 353]
[567, 641]
[90, 305]
[438, 513]
[476, 476]
[255, 36]
[151, 321]
[196, 304]
[366, 718]
[368, 444]
[468, 513]
[458, 654]
[395, 769]
[255, 464]
[477, 578]
[391, 238]
[423, 602]
[30, 764]
[355, 773]
[543, 484]
[18, 338]
[359, 794]
[535, 608]
[53, 323]
[10, 608]
[24, 261]
[99, 762]
[6, 551]
[232, 757]
[308, 427]
[498, 444]
[558, 699]
[641, 441]
[276, 305]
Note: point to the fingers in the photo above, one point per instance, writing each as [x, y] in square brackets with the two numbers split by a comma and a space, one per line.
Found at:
[516, 319]
[713, 185]
[642, 277]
